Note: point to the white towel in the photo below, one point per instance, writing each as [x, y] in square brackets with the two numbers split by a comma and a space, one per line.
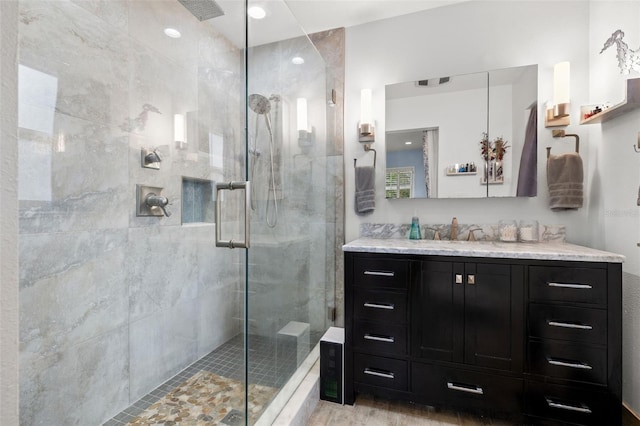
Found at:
[365, 201]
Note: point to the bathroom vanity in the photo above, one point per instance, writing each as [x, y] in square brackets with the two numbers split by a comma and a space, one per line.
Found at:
[531, 332]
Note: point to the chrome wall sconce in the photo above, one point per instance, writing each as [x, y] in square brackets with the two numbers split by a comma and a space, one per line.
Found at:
[306, 137]
[557, 113]
[366, 128]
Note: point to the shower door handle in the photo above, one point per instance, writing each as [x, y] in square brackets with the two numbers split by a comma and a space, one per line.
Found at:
[230, 186]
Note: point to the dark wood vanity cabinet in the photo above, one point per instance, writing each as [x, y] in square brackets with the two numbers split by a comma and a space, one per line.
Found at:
[468, 313]
[534, 341]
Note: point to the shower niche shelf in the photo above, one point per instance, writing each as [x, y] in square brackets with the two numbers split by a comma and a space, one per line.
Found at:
[632, 101]
[197, 201]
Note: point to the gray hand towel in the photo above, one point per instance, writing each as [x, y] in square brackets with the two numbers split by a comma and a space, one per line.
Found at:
[564, 178]
[365, 190]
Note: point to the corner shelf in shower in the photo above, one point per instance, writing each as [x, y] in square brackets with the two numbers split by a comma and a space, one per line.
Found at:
[632, 101]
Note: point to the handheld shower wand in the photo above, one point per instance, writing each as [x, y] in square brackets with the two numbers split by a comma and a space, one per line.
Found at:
[261, 106]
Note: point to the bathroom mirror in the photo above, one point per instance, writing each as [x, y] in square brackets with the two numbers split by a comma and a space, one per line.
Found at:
[434, 129]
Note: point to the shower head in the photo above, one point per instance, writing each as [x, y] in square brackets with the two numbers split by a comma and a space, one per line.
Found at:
[203, 9]
[259, 104]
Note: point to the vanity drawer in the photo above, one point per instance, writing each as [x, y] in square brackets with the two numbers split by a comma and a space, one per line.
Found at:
[380, 338]
[379, 371]
[587, 325]
[571, 404]
[570, 361]
[381, 272]
[466, 389]
[383, 306]
[568, 284]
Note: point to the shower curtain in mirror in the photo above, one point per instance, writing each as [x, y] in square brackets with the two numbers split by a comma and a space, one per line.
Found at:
[429, 144]
[528, 174]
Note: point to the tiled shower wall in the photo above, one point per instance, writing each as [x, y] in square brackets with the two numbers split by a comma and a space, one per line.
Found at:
[112, 304]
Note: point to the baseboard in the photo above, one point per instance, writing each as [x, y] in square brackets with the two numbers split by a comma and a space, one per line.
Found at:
[629, 417]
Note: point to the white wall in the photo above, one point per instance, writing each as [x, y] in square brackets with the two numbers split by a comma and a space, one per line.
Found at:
[615, 213]
[460, 39]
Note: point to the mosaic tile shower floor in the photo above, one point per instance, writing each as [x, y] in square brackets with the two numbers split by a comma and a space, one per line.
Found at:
[204, 399]
[225, 362]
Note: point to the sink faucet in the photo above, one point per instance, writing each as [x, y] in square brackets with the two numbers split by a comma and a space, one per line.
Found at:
[454, 229]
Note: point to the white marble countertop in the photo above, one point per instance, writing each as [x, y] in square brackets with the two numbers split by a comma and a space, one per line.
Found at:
[495, 249]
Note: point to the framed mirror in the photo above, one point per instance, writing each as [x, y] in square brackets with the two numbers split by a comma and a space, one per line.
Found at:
[464, 136]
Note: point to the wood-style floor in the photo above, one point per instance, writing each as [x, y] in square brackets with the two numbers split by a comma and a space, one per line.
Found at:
[370, 411]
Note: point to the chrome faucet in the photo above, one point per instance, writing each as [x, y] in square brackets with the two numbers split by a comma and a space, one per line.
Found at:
[454, 229]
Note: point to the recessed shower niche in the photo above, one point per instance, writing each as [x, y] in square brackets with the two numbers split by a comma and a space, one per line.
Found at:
[197, 201]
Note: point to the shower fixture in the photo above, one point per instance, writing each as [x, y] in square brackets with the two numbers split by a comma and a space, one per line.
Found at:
[203, 9]
[151, 202]
[262, 106]
[150, 159]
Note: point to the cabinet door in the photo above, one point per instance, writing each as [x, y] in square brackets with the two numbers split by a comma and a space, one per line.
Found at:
[437, 311]
[494, 315]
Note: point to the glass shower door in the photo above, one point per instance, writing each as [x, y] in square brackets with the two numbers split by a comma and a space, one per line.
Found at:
[290, 263]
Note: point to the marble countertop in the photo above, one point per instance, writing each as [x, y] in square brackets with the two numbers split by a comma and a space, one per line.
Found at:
[495, 249]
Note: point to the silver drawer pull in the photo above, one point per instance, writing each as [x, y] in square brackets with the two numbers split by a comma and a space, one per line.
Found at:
[569, 364]
[380, 273]
[385, 374]
[385, 339]
[389, 306]
[583, 409]
[566, 285]
[469, 389]
[569, 325]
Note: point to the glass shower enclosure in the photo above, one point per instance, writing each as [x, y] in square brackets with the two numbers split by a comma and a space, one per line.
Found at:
[135, 119]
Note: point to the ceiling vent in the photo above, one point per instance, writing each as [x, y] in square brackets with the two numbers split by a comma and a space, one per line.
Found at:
[433, 82]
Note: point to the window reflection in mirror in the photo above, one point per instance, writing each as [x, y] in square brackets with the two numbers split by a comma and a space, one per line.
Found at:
[445, 120]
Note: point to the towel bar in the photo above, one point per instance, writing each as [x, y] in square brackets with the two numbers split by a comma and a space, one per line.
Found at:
[562, 134]
[367, 148]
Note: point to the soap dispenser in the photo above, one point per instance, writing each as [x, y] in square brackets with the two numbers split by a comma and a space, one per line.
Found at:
[414, 233]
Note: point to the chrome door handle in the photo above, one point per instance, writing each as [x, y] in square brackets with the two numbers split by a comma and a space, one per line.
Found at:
[379, 306]
[385, 374]
[471, 279]
[230, 186]
[569, 325]
[577, 365]
[463, 388]
[458, 278]
[380, 273]
[553, 404]
[568, 285]
[385, 339]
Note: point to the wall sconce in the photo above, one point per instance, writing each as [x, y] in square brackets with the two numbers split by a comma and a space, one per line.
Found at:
[558, 112]
[305, 136]
[366, 130]
[179, 133]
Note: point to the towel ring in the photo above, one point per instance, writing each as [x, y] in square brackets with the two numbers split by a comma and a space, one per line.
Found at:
[562, 134]
[368, 148]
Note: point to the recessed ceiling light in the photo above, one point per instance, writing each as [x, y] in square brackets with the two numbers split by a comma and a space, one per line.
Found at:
[172, 32]
[298, 60]
[408, 143]
[256, 12]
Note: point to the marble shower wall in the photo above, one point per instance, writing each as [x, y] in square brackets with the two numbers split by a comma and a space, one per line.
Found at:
[112, 304]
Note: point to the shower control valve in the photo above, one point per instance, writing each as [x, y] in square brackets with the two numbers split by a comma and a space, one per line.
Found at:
[153, 200]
